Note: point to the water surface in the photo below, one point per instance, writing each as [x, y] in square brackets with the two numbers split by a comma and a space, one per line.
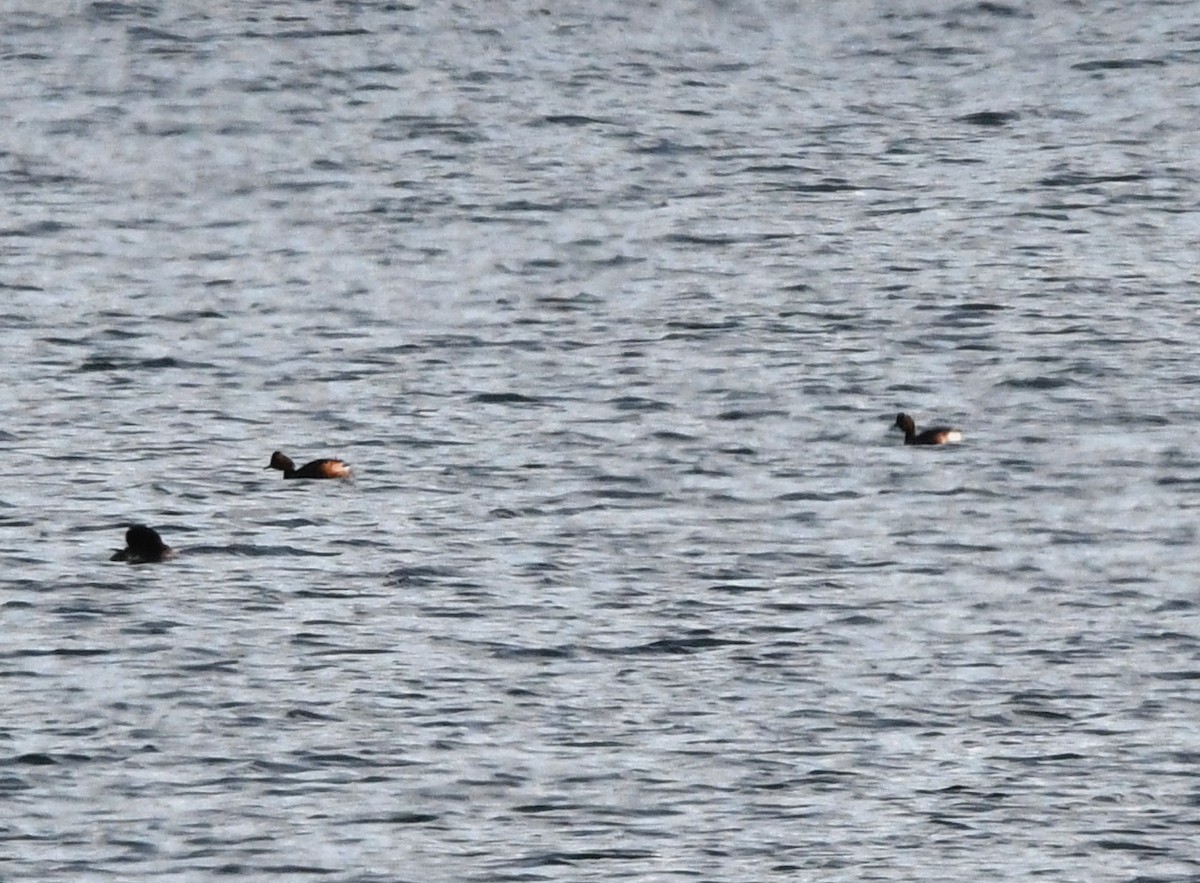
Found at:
[611, 310]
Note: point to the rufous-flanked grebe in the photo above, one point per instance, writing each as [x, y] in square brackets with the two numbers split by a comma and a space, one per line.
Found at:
[329, 468]
[936, 435]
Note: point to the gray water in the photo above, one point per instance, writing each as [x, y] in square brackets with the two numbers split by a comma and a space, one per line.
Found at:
[610, 307]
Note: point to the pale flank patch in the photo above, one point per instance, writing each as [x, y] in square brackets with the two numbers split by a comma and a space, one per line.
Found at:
[954, 436]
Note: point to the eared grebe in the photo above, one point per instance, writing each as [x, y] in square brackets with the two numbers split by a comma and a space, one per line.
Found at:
[937, 435]
[143, 545]
[316, 469]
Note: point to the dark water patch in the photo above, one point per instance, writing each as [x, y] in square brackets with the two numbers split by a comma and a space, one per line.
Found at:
[1041, 382]
[827, 185]
[171, 362]
[17, 785]
[1001, 10]
[406, 127]
[338, 651]
[906, 387]
[878, 211]
[545, 568]
[187, 317]
[638, 403]
[518, 206]
[547, 206]
[1135, 846]
[82, 610]
[307, 33]
[615, 493]
[29, 178]
[618, 260]
[858, 620]
[306, 714]
[976, 345]
[360, 542]
[40, 228]
[1083, 179]
[781, 168]
[668, 147]
[14, 559]
[222, 666]
[675, 646]
[290, 523]
[1170, 606]
[1045, 714]
[1176, 675]
[36, 758]
[316, 638]
[888, 722]
[142, 32]
[818, 496]
[467, 590]
[914, 267]
[581, 302]
[299, 185]
[672, 435]
[155, 627]
[822, 776]
[980, 307]
[343, 594]
[540, 808]
[260, 871]
[573, 120]
[1044, 759]
[419, 576]
[964, 547]
[610, 478]
[729, 588]
[831, 320]
[990, 118]
[398, 818]
[115, 11]
[736, 414]
[1128, 419]
[702, 325]
[1067, 537]
[961, 789]
[572, 858]
[306, 760]
[539, 264]
[697, 239]
[98, 363]
[64, 652]
[722, 574]
[505, 398]
[509, 651]
[253, 550]
[1116, 64]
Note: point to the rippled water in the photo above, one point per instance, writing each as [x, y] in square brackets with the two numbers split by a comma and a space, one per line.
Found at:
[611, 309]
